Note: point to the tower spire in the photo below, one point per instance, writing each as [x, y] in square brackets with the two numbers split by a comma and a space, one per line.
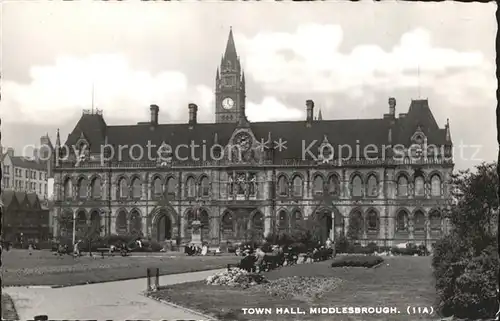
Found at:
[320, 116]
[58, 139]
[230, 46]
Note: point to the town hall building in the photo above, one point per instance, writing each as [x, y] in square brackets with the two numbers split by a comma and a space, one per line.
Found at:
[248, 179]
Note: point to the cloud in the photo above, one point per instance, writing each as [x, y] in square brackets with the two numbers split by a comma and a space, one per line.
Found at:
[56, 91]
[271, 109]
[309, 60]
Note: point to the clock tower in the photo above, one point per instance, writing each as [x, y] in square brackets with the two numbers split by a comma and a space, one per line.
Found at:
[229, 86]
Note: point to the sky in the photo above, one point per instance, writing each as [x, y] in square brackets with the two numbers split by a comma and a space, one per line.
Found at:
[347, 57]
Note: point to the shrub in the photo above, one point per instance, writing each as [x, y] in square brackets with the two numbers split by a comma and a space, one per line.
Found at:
[341, 244]
[299, 247]
[404, 251]
[357, 261]
[266, 247]
[466, 284]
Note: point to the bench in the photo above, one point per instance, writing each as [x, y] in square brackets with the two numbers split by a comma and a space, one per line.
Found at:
[214, 250]
[104, 250]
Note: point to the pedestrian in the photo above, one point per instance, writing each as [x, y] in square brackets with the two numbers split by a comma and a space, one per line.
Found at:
[76, 249]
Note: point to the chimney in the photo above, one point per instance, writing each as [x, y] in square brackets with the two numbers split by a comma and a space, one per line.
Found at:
[10, 152]
[392, 106]
[154, 114]
[193, 110]
[309, 110]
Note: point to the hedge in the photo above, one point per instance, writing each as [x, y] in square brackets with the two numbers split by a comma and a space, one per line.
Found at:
[357, 261]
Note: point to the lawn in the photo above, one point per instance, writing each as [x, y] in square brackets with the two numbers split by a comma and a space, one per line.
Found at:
[398, 282]
[44, 268]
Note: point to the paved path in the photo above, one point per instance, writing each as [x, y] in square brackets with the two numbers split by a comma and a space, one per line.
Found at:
[121, 300]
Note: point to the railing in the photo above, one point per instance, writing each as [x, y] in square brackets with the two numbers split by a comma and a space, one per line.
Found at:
[61, 165]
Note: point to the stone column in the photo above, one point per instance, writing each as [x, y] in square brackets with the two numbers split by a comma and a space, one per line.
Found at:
[267, 220]
[411, 227]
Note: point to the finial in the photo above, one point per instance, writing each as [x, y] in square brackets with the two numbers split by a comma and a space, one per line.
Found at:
[447, 122]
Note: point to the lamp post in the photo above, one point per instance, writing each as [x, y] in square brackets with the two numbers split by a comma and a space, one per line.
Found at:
[74, 227]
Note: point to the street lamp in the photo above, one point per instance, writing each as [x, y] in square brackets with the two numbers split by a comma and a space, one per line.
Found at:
[74, 227]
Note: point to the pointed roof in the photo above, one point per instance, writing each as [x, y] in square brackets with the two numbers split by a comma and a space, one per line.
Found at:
[230, 52]
[320, 116]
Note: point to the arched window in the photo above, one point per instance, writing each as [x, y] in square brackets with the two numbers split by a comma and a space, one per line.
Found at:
[95, 189]
[136, 188]
[157, 188]
[402, 186]
[419, 221]
[283, 222]
[435, 185]
[81, 223]
[333, 186]
[190, 187]
[372, 221]
[122, 188]
[95, 223]
[282, 186]
[170, 190]
[82, 188]
[296, 218]
[204, 187]
[227, 225]
[258, 222]
[205, 225]
[68, 189]
[435, 221]
[402, 222]
[121, 222]
[357, 186]
[135, 223]
[297, 186]
[356, 225]
[190, 218]
[66, 223]
[372, 188]
[318, 185]
[419, 186]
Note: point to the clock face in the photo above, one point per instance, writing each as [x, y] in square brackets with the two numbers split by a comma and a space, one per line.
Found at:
[227, 103]
[243, 140]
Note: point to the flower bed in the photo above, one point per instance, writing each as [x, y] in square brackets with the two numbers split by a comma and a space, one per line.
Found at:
[236, 277]
[298, 287]
[357, 261]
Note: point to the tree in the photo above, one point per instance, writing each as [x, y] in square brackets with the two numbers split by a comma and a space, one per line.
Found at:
[465, 262]
[354, 228]
[90, 233]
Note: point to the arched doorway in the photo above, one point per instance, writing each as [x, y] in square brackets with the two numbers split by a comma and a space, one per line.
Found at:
[163, 227]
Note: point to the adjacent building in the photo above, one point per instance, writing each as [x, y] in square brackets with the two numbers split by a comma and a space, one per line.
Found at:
[23, 218]
[23, 174]
[243, 179]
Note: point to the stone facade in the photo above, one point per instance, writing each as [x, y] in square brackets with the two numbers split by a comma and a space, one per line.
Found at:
[267, 188]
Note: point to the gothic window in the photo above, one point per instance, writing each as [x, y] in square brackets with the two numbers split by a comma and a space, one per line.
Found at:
[95, 189]
[402, 186]
[82, 188]
[282, 186]
[333, 186]
[402, 222]
[253, 184]
[68, 189]
[372, 187]
[435, 185]
[419, 221]
[204, 186]
[435, 221]
[296, 218]
[283, 222]
[170, 190]
[258, 222]
[121, 222]
[81, 222]
[190, 187]
[318, 185]
[297, 186]
[356, 225]
[372, 219]
[157, 188]
[122, 188]
[419, 186]
[205, 225]
[190, 218]
[95, 223]
[357, 186]
[135, 223]
[227, 225]
[136, 188]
